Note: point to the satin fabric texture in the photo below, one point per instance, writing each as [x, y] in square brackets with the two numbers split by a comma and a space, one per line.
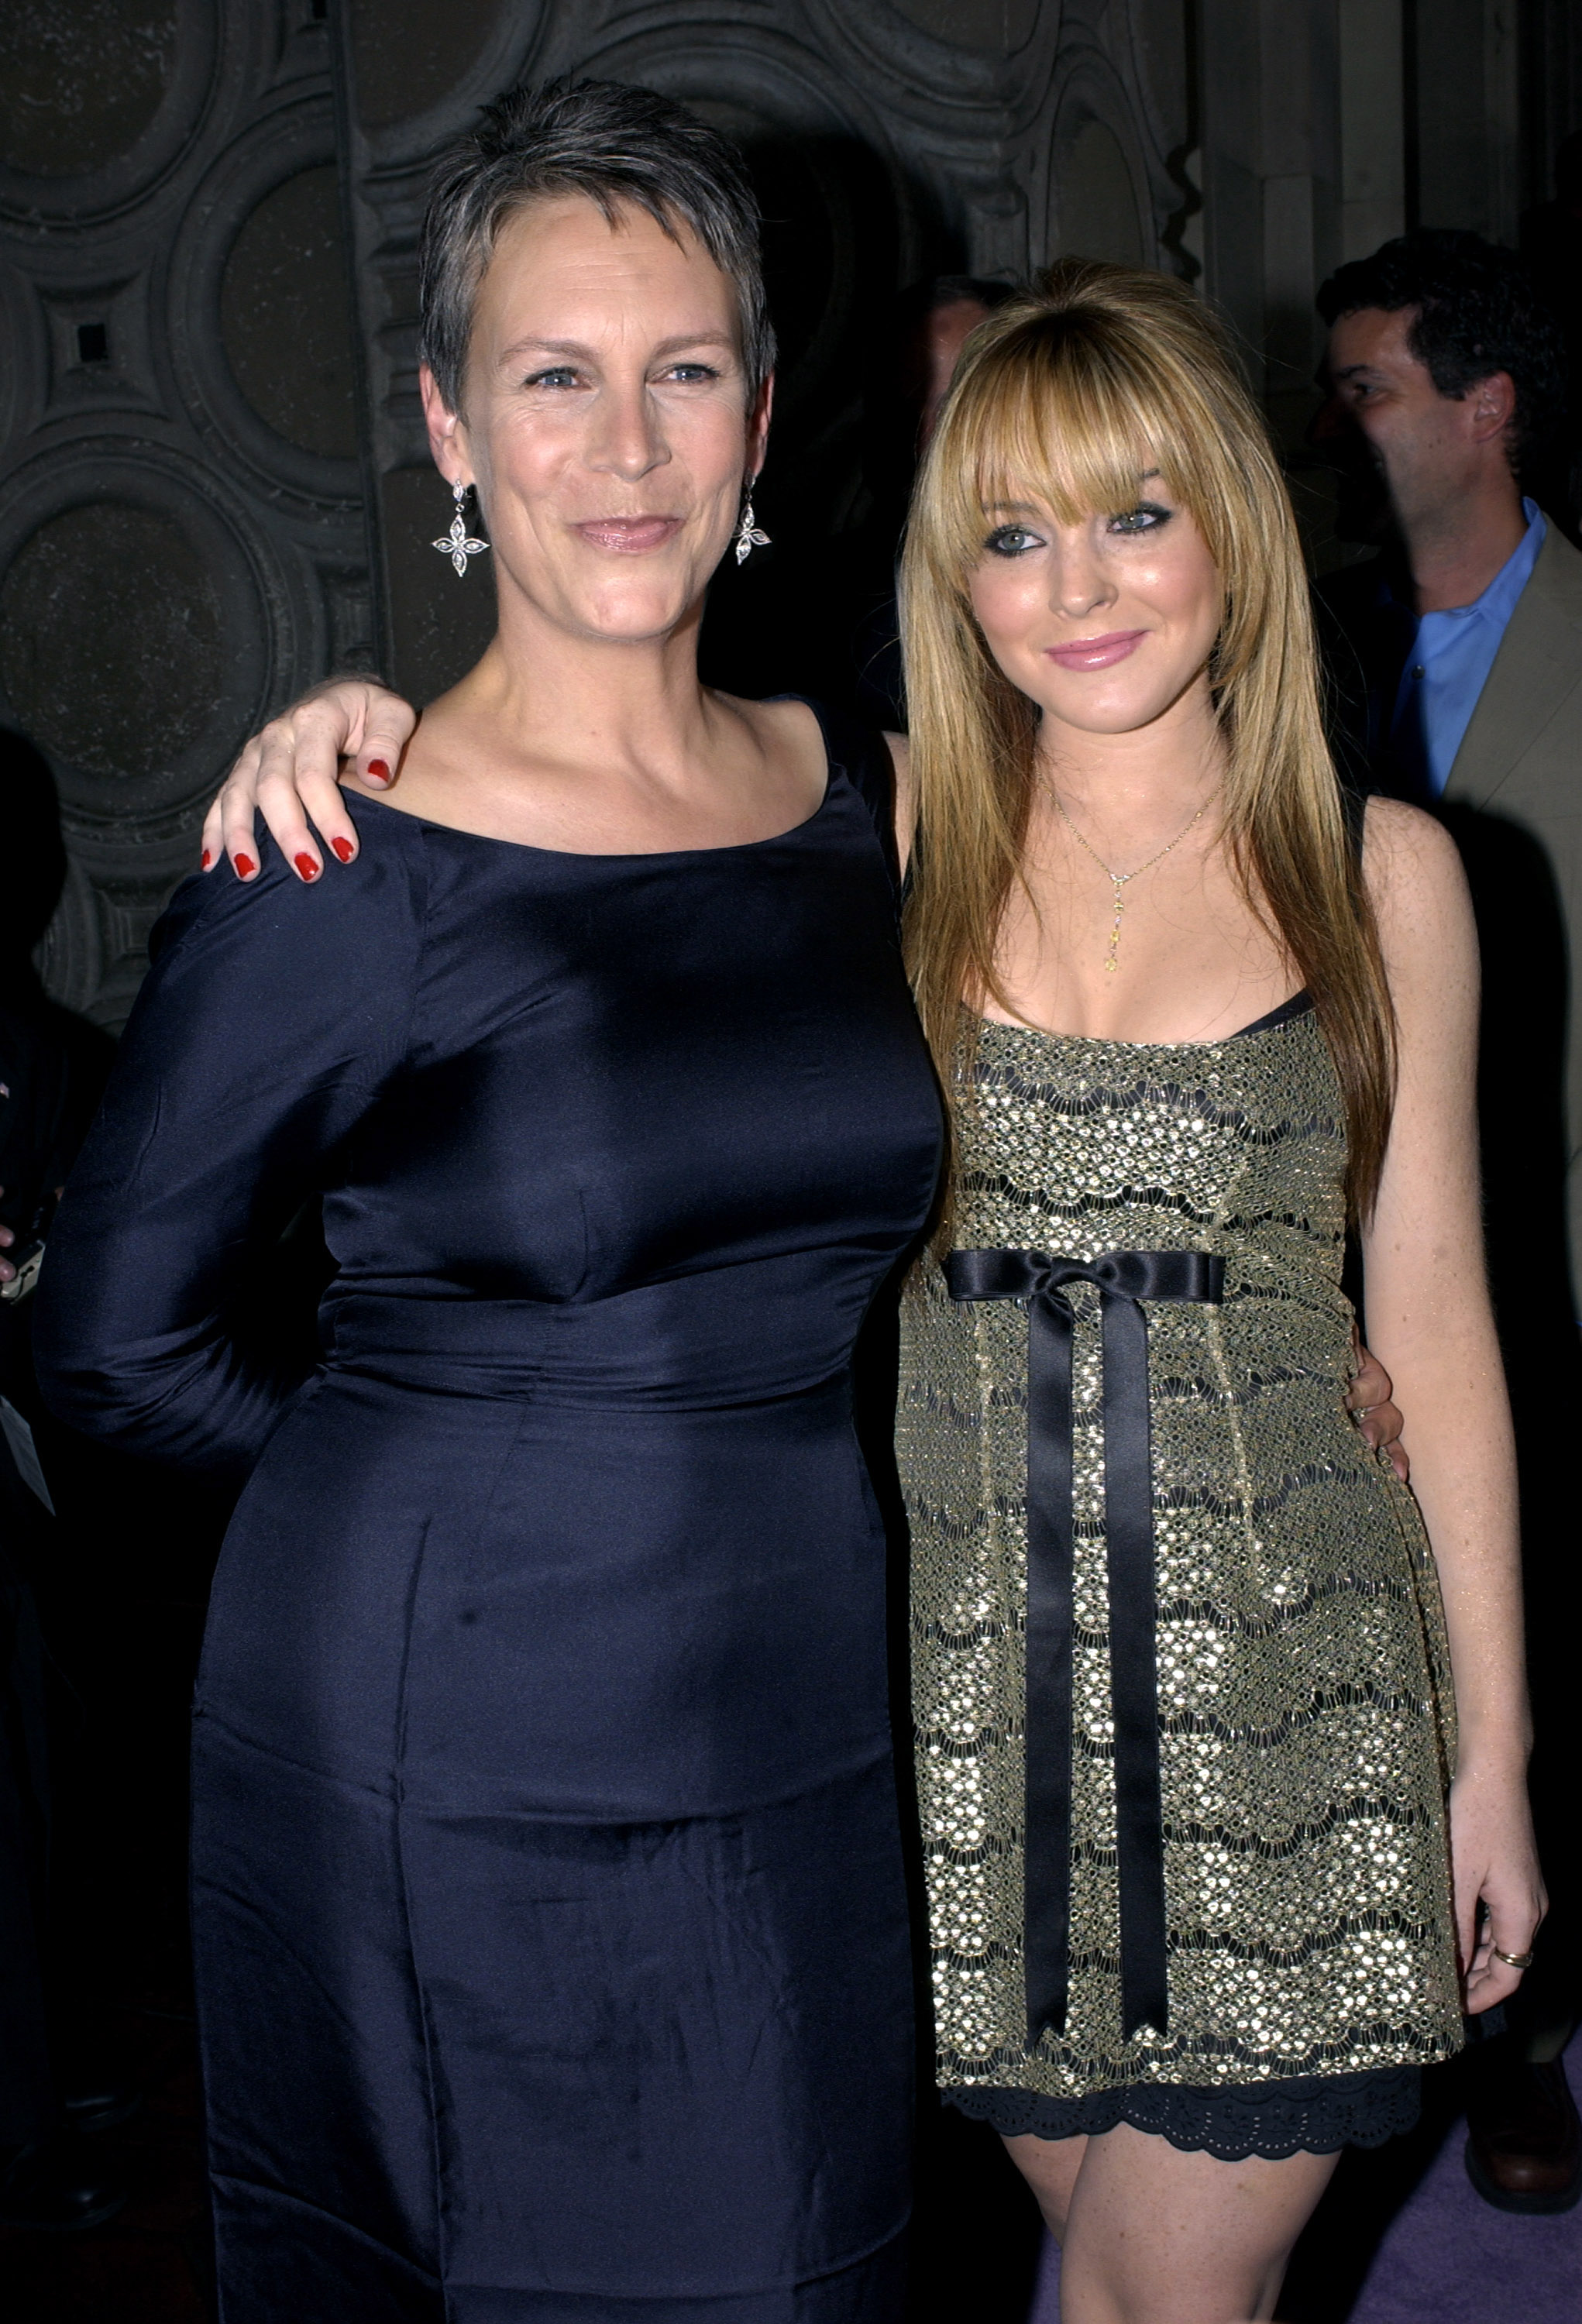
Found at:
[550, 1927]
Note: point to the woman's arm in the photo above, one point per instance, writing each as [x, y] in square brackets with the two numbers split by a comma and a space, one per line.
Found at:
[267, 1026]
[291, 770]
[905, 798]
[1429, 1318]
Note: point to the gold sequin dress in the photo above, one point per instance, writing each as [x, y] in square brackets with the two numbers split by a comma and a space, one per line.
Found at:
[1298, 1728]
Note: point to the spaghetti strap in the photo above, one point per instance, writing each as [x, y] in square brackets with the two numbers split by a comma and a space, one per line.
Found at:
[1300, 1005]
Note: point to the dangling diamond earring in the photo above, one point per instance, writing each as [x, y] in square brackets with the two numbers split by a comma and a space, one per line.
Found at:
[457, 544]
[748, 537]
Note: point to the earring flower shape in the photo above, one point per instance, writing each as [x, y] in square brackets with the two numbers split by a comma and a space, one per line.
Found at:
[458, 544]
[748, 535]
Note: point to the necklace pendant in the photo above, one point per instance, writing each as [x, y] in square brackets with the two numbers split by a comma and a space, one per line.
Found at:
[1118, 880]
[1119, 884]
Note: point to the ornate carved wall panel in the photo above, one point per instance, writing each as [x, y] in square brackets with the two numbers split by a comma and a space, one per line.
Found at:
[181, 542]
[196, 195]
[1465, 99]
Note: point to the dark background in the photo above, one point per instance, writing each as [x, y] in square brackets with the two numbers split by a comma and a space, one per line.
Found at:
[213, 490]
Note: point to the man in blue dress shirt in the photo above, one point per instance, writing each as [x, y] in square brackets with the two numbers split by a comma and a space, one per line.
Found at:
[1452, 655]
[1456, 667]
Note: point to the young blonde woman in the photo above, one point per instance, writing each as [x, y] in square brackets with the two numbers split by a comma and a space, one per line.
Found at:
[1214, 1865]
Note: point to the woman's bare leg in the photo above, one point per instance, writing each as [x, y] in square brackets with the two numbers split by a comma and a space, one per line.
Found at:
[1050, 2166]
[1150, 2234]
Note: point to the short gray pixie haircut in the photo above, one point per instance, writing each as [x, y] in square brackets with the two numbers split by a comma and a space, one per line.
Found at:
[613, 143]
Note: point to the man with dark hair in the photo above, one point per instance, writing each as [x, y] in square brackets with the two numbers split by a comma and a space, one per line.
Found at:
[1456, 667]
[1444, 358]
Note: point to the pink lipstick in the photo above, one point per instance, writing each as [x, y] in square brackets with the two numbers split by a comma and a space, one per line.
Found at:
[629, 535]
[1097, 653]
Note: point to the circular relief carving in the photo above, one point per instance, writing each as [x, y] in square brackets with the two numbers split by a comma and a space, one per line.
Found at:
[144, 619]
[259, 309]
[80, 85]
[285, 319]
[112, 646]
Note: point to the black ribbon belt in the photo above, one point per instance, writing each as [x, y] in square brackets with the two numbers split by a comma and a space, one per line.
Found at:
[1125, 1278]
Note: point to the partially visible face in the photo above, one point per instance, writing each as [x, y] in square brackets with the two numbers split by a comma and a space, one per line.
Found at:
[1419, 437]
[1107, 624]
[607, 423]
[941, 336]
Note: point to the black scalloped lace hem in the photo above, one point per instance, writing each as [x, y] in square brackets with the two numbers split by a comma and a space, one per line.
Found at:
[1311, 2115]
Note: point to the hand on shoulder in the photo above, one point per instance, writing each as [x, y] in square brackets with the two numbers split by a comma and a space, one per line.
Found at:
[291, 770]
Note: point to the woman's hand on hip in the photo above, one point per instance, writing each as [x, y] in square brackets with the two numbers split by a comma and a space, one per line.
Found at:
[1494, 1865]
[293, 771]
[1368, 1401]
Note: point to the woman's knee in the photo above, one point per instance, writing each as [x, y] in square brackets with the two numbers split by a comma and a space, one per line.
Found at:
[1156, 2235]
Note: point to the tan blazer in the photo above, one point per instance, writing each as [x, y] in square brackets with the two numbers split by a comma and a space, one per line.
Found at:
[1520, 765]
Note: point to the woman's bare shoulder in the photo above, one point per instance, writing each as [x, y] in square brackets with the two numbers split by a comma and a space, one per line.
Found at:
[1423, 911]
[1398, 835]
[1411, 862]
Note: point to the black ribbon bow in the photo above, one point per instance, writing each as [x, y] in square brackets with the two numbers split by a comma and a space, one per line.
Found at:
[1125, 1278]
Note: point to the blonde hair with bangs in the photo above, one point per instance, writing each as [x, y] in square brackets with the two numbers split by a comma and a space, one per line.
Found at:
[1070, 395]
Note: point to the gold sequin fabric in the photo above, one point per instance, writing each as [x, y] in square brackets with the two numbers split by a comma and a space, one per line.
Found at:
[1304, 1700]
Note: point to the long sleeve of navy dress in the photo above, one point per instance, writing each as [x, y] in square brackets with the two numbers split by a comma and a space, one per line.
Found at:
[550, 1923]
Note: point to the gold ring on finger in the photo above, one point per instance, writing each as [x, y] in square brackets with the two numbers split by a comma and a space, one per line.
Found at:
[1513, 1960]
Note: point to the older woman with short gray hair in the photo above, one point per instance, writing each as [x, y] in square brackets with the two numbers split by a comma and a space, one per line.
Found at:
[551, 1930]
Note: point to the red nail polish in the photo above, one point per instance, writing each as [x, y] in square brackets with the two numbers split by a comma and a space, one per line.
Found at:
[343, 848]
[207, 859]
[379, 770]
[246, 867]
[306, 865]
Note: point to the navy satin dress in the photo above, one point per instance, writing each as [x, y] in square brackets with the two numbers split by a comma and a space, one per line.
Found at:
[551, 1931]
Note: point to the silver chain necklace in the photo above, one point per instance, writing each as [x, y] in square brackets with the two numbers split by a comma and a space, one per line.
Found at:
[1121, 880]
